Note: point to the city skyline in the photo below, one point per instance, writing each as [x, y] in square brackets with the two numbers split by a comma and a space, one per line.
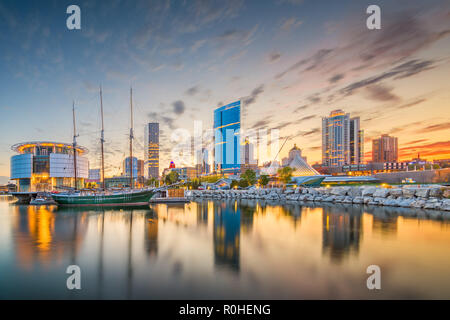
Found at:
[318, 60]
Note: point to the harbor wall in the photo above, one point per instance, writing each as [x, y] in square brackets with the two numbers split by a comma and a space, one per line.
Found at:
[435, 197]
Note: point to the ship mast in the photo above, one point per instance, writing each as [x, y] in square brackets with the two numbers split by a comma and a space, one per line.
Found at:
[131, 138]
[102, 140]
[74, 145]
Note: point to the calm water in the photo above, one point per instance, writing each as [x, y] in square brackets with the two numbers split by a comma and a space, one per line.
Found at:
[210, 249]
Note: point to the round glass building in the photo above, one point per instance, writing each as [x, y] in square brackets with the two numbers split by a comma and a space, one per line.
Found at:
[47, 166]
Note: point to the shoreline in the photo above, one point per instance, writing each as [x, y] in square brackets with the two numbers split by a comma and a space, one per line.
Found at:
[435, 199]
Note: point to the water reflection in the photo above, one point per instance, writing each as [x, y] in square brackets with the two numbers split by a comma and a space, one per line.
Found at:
[384, 222]
[227, 231]
[151, 233]
[222, 249]
[342, 230]
[43, 237]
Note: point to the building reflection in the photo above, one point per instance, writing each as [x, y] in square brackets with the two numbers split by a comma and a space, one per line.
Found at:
[248, 209]
[151, 233]
[294, 211]
[342, 230]
[202, 212]
[42, 236]
[226, 235]
[385, 220]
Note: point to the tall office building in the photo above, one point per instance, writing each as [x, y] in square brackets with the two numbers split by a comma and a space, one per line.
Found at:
[342, 140]
[248, 159]
[127, 167]
[356, 142]
[140, 168]
[227, 125]
[385, 149]
[151, 161]
[202, 162]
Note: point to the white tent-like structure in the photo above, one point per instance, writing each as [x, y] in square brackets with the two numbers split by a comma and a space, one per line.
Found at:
[301, 167]
[303, 173]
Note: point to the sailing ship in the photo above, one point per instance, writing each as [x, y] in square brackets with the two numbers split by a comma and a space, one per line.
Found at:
[124, 197]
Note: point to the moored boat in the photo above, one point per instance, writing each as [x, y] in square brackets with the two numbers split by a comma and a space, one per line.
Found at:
[122, 198]
[105, 198]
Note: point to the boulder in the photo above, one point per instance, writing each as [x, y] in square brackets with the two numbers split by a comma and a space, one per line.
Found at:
[354, 192]
[379, 200]
[435, 192]
[422, 192]
[445, 205]
[432, 204]
[408, 192]
[366, 200]
[381, 193]
[293, 197]
[446, 193]
[347, 199]
[420, 203]
[391, 202]
[406, 203]
[396, 192]
[358, 200]
[368, 191]
[339, 191]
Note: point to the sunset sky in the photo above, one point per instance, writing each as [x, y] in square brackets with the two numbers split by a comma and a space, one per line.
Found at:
[290, 61]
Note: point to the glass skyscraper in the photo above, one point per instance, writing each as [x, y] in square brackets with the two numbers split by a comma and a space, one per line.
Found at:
[342, 140]
[127, 167]
[227, 125]
[151, 149]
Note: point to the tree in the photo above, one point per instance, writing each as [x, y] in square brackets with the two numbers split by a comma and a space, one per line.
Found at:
[243, 183]
[234, 183]
[264, 180]
[285, 174]
[250, 176]
[152, 182]
[171, 177]
[194, 183]
[210, 179]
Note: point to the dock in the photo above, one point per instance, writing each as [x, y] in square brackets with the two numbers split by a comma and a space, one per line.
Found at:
[170, 200]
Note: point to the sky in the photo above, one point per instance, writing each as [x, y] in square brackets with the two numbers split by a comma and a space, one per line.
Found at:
[291, 62]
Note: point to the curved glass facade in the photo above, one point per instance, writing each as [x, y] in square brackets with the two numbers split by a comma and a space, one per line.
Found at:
[42, 166]
[227, 125]
[21, 166]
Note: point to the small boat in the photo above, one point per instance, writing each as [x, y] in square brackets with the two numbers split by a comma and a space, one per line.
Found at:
[40, 201]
